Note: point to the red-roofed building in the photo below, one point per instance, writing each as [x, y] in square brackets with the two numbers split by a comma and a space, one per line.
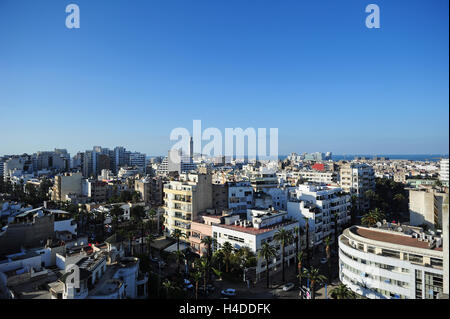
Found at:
[318, 167]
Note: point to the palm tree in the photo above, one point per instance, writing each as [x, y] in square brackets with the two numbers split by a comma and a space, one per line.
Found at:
[297, 236]
[299, 258]
[218, 273]
[196, 276]
[227, 250]
[169, 286]
[151, 216]
[342, 292]
[372, 217]
[179, 255]
[327, 242]
[177, 234]
[267, 252]
[208, 242]
[150, 239]
[283, 237]
[314, 277]
[218, 257]
[307, 239]
[336, 230]
[204, 268]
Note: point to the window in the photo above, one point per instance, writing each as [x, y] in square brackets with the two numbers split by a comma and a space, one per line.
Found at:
[415, 258]
[390, 253]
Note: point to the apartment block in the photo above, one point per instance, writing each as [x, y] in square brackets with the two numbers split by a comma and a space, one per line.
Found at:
[356, 179]
[185, 199]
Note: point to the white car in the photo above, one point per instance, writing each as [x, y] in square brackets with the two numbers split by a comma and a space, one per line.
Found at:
[288, 286]
[229, 292]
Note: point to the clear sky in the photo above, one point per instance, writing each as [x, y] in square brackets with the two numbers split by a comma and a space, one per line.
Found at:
[137, 69]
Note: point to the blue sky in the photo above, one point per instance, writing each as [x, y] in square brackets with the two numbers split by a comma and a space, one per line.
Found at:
[137, 69]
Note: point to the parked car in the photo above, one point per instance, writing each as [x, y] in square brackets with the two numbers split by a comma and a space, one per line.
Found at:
[323, 260]
[288, 286]
[229, 292]
[188, 284]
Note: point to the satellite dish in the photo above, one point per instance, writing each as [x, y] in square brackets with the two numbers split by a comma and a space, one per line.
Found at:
[399, 229]
[378, 224]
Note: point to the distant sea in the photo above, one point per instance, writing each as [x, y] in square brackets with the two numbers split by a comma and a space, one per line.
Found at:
[411, 157]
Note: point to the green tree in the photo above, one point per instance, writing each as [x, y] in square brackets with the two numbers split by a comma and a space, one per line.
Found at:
[296, 239]
[196, 276]
[314, 278]
[227, 250]
[116, 213]
[372, 217]
[306, 219]
[284, 238]
[177, 235]
[327, 242]
[342, 292]
[267, 252]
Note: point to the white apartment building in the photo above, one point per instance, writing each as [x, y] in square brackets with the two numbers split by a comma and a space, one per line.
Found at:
[356, 179]
[444, 172]
[240, 196]
[319, 204]
[391, 262]
[263, 179]
[260, 227]
[325, 177]
[100, 274]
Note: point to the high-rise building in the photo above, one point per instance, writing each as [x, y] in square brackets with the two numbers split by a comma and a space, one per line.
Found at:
[89, 167]
[356, 179]
[184, 199]
[137, 159]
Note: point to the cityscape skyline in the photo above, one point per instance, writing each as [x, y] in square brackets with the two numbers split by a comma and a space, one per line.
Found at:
[314, 71]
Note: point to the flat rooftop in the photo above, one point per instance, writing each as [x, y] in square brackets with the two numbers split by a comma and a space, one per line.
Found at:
[256, 231]
[392, 238]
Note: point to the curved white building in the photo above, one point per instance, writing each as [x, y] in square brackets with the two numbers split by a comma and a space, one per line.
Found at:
[391, 262]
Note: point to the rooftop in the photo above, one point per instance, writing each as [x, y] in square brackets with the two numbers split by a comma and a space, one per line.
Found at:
[256, 231]
[392, 238]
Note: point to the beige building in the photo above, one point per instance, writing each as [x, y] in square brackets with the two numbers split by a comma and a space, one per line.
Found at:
[151, 190]
[356, 179]
[184, 199]
[426, 206]
[67, 183]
